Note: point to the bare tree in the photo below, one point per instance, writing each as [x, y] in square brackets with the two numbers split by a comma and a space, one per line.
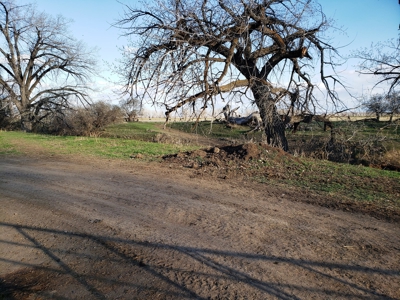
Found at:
[380, 104]
[192, 50]
[84, 121]
[131, 108]
[377, 105]
[42, 68]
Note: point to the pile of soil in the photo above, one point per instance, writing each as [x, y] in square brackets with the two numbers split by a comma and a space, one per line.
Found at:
[231, 161]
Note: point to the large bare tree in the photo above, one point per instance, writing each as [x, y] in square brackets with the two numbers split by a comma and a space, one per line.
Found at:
[42, 67]
[189, 51]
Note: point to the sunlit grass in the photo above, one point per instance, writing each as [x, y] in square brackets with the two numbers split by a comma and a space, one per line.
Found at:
[65, 145]
[351, 183]
[144, 131]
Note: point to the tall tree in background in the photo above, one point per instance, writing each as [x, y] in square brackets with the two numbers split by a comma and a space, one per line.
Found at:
[377, 104]
[192, 50]
[131, 108]
[42, 68]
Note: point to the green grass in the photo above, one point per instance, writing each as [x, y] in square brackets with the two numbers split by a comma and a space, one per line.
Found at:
[144, 131]
[352, 183]
[19, 142]
[6, 147]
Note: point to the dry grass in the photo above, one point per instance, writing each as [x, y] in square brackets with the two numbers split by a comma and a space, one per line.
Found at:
[392, 157]
[360, 117]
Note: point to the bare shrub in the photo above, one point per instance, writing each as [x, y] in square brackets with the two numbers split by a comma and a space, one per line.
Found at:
[347, 144]
[89, 121]
[364, 150]
[6, 121]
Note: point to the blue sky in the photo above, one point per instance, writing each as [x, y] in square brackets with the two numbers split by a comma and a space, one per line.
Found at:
[363, 21]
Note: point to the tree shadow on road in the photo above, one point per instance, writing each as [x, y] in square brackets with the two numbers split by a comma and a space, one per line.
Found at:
[79, 265]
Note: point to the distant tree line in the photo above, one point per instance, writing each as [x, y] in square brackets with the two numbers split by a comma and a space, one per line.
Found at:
[383, 104]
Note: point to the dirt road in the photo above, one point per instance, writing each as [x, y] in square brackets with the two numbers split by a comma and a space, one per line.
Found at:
[127, 230]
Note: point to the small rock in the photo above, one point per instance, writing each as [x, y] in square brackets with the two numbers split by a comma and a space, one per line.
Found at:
[194, 165]
[216, 150]
[198, 153]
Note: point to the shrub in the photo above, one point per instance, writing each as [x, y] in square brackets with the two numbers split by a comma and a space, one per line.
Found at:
[89, 121]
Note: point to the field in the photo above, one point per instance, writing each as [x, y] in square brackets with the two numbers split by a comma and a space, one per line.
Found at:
[141, 212]
[372, 189]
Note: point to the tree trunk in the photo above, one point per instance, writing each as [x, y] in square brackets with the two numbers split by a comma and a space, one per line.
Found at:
[27, 121]
[391, 118]
[273, 125]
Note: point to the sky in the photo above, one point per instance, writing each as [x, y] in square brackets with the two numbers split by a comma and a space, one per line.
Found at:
[361, 22]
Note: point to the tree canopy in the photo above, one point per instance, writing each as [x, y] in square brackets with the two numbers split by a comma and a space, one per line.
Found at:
[42, 67]
[190, 51]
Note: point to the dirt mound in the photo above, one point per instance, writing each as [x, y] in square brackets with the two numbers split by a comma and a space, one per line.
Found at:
[246, 151]
[235, 161]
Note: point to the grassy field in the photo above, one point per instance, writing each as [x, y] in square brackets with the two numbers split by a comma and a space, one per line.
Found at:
[121, 148]
[343, 182]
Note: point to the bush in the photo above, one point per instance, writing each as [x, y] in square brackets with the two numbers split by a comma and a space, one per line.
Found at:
[89, 121]
[349, 142]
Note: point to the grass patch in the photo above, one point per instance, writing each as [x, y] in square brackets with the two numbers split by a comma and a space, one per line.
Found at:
[69, 145]
[342, 181]
[143, 131]
[349, 183]
[6, 147]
